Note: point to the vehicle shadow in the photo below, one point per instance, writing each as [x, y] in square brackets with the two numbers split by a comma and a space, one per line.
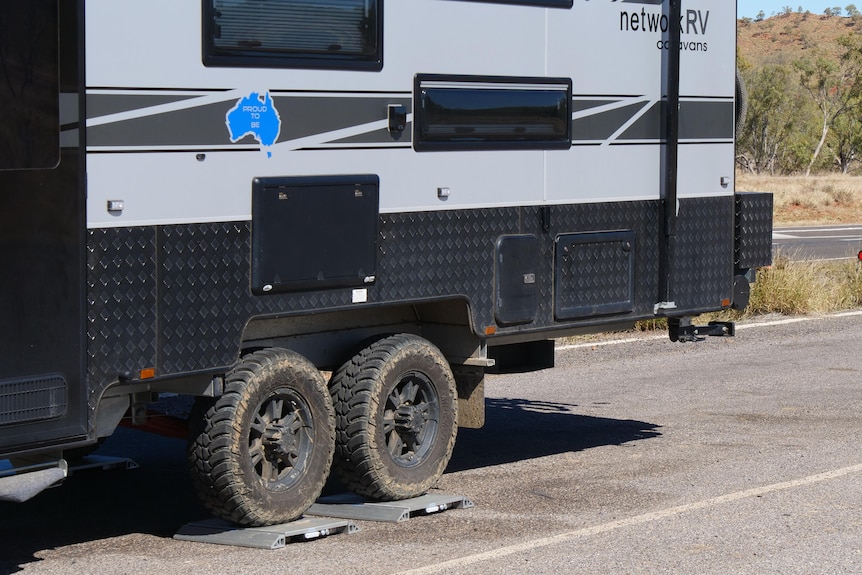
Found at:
[157, 499]
[519, 429]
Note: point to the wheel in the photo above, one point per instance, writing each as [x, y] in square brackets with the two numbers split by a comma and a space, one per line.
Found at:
[263, 451]
[396, 418]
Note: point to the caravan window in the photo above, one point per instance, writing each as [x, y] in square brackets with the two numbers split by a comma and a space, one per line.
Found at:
[475, 113]
[344, 34]
[547, 3]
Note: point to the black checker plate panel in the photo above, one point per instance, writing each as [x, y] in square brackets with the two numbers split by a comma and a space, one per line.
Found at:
[121, 301]
[753, 230]
[178, 297]
[703, 263]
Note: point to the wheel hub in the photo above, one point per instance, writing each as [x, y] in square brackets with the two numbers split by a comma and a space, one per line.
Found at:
[409, 419]
[278, 441]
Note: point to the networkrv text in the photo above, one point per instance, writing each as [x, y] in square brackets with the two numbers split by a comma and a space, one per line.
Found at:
[693, 22]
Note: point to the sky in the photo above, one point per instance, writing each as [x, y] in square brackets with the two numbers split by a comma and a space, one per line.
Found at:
[750, 8]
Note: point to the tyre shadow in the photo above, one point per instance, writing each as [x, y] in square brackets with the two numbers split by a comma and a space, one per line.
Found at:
[520, 429]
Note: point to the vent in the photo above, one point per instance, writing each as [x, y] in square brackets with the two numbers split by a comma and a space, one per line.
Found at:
[32, 399]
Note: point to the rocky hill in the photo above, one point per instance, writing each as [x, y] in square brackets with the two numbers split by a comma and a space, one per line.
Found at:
[784, 38]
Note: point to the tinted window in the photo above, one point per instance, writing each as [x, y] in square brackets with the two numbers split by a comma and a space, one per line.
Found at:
[29, 90]
[293, 33]
[548, 3]
[499, 113]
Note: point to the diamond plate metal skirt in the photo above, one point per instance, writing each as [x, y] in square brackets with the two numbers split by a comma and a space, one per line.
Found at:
[177, 297]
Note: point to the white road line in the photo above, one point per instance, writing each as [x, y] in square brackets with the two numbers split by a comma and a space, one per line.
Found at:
[527, 546]
[609, 342]
[787, 237]
[815, 229]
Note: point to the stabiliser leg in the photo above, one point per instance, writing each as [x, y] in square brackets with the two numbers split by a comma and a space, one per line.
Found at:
[681, 329]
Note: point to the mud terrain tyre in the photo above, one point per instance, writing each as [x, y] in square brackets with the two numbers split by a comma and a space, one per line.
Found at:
[261, 453]
[396, 418]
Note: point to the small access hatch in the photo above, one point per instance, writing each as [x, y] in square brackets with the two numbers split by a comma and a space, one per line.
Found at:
[594, 274]
[517, 260]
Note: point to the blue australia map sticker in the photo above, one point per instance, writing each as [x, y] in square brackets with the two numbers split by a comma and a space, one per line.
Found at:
[254, 116]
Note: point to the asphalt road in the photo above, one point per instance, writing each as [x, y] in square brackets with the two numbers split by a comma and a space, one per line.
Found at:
[819, 243]
[736, 455]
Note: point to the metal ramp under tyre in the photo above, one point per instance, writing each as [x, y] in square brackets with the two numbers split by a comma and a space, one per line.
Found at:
[350, 506]
[331, 515]
[221, 532]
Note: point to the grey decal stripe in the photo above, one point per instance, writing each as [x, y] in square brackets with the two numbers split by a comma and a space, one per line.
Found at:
[706, 120]
[312, 118]
[201, 125]
[581, 105]
[106, 104]
[601, 126]
[307, 116]
[649, 126]
[204, 125]
[380, 137]
[699, 120]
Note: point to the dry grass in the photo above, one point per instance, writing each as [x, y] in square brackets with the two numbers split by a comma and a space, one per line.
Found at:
[791, 288]
[830, 199]
[808, 287]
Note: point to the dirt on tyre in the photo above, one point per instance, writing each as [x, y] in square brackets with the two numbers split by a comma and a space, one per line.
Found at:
[262, 452]
[396, 418]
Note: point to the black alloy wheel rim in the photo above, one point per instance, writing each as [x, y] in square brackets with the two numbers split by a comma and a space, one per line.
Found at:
[410, 419]
[280, 439]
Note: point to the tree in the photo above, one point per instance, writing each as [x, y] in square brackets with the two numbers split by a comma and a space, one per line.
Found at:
[835, 87]
[775, 127]
[846, 137]
[845, 141]
[851, 11]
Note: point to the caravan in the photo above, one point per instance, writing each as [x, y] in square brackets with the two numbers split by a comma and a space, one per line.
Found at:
[229, 198]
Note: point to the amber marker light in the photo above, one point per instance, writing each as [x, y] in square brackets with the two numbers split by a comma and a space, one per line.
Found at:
[490, 329]
[148, 373]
